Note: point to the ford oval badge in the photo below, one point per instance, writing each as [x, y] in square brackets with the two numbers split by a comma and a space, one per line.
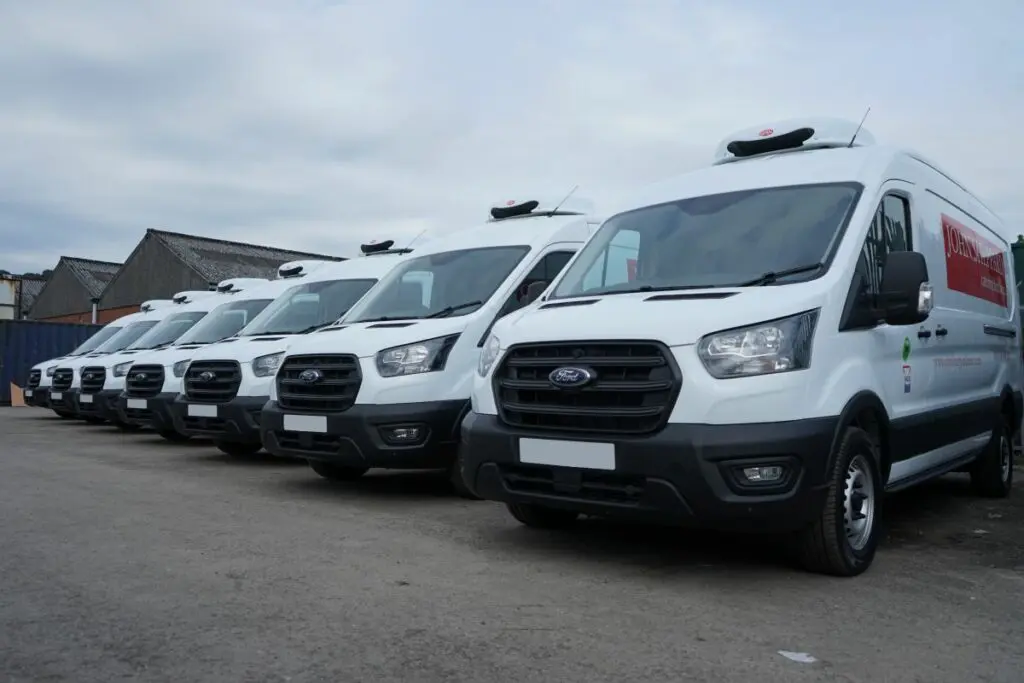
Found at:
[207, 376]
[571, 377]
[311, 376]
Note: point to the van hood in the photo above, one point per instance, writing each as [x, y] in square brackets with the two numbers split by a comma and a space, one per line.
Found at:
[245, 349]
[677, 318]
[367, 339]
[166, 357]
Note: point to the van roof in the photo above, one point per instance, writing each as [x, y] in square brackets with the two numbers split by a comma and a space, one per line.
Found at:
[532, 230]
[861, 164]
[358, 268]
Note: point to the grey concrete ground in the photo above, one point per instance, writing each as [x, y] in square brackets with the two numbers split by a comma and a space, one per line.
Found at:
[123, 558]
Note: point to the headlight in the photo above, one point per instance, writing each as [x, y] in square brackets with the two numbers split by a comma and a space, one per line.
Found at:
[774, 346]
[265, 366]
[50, 370]
[121, 369]
[488, 354]
[412, 359]
[180, 367]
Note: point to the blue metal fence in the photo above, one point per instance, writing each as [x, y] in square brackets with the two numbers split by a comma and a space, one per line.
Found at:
[23, 343]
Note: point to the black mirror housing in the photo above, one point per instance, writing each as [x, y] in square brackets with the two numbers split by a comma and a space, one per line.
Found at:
[906, 295]
[533, 292]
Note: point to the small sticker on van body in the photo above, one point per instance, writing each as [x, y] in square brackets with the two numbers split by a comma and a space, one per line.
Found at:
[974, 265]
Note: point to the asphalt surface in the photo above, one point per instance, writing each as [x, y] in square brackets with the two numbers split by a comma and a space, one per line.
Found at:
[125, 558]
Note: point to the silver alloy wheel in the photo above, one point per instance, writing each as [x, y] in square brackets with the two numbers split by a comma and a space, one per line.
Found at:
[859, 502]
[1005, 456]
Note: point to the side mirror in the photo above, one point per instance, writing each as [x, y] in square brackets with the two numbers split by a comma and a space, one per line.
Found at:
[533, 292]
[906, 294]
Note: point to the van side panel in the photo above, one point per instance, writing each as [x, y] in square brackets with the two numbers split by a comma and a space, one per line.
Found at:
[969, 267]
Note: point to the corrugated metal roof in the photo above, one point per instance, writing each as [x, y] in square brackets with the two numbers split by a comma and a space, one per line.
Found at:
[94, 275]
[30, 289]
[218, 260]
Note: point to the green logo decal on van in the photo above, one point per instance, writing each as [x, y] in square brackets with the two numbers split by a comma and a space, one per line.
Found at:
[906, 349]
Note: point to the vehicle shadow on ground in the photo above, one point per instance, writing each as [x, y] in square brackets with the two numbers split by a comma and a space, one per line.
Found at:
[377, 485]
[212, 457]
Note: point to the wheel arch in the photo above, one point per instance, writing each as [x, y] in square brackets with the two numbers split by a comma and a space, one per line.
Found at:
[866, 411]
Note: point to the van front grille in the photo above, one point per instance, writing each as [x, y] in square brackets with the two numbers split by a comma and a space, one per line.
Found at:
[318, 384]
[144, 381]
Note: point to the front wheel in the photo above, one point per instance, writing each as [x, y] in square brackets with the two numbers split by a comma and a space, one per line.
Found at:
[94, 420]
[844, 538]
[126, 426]
[458, 483]
[333, 472]
[63, 415]
[992, 472]
[172, 436]
[540, 517]
[236, 449]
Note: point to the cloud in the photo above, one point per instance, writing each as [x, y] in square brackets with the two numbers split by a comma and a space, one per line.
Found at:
[319, 125]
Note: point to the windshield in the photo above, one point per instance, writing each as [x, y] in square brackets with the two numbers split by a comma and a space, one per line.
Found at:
[224, 321]
[719, 240]
[168, 330]
[125, 336]
[428, 285]
[93, 342]
[306, 307]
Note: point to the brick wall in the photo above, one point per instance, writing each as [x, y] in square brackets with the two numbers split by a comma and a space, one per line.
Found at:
[103, 316]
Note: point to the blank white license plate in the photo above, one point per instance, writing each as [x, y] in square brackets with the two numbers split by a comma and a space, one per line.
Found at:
[28, 393]
[84, 398]
[56, 395]
[136, 403]
[306, 423]
[202, 411]
[586, 455]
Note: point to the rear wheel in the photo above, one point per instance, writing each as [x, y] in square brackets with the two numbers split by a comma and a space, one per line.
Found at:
[236, 449]
[540, 517]
[334, 472]
[843, 540]
[172, 436]
[992, 472]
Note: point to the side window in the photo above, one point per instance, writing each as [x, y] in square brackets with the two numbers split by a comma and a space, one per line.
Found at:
[890, 231]
[545, 271]
[618, 263]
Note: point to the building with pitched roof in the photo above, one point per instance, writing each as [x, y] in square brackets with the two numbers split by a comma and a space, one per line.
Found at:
[70, 291]
[167, 262]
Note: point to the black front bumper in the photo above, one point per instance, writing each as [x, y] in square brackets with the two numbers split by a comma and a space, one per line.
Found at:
[236, 421]
[356, 437]
[689, 474]
[66, 403]
[39, 398]
[156, 414]
[99, 405]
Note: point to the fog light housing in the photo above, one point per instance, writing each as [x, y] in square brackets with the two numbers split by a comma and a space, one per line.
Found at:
[768, 474]
[404, 435]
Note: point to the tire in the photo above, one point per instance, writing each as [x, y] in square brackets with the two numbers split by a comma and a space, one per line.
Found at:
[540, 517]
[844, 538]
[126, 426]
[992, 472]
[64, 416]
[94, 420]
[333, 472]
[172, 436]
[238, 450]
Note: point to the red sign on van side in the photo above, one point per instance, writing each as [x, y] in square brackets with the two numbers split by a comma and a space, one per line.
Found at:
[974, 265]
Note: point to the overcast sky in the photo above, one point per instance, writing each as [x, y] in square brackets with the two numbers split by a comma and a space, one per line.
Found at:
[318, 125]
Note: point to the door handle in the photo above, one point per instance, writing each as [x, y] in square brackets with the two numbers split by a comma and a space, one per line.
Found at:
[941, 331]
[924, 334]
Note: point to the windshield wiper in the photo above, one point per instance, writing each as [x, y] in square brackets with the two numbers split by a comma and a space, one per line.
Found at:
[444, 312]
[771, 276]
[314, 328]
[648, 288]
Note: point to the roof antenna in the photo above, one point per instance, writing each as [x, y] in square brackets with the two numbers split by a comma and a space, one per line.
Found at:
[859, 126]
[417, 237]
[564, 200]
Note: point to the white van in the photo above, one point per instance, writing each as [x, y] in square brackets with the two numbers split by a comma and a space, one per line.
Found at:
[770, 343]
[226, 386]
[390, 388]
[37, 392]
[67, 376]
